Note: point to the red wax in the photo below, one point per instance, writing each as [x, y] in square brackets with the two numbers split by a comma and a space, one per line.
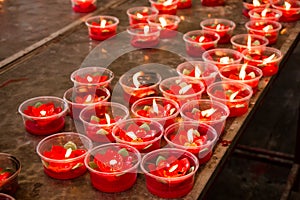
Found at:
[139, 15]
[184, 4]
[113, 170]
[222, 30]
[98, 33]
[5, 174]
[200, 43]
[64, 170]
[248, 5]
[91, 78]
[170, 9]
[84, 6]
[269, 29]
[213, 2]
[289, 14]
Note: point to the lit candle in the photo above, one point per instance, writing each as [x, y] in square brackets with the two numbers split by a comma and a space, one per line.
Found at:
[290, 10]
[165, 6]
[241, 42]
[138, 15]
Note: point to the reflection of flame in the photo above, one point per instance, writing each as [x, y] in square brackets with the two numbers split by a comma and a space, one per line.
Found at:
[107, 117]
[242, 74]
[197, 72]
[139, 16]
[162, 21]
[249, 42]
[264, 12]
[268, 59]
[267, 28]
[224, 60]
[201, 39]
[154, 106]
[146, 29]
[168, 3]
[208, 112]
[256, 3]
[135, 80]
[287, 5]
[102, 23]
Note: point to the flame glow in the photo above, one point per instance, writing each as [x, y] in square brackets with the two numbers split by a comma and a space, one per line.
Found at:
[168, 3]
[242, 73]
[154, 106]
[249, 42]
[201, 38]
[219, 27]
[102, 23]
[107, 117]
[264, 12]
[287, 5]
[256, 3]
[197, 72]
[43, 112]
[208, 112]
[224, 60]
[233, 95]
[139, 16]
[162, 21]
[190, 135]
[268, 59]
[267, 28]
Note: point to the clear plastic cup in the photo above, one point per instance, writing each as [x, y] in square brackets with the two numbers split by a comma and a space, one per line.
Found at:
[84, 6]
[166, 6]
[167, 23]
[265, 14]
[290, 9]
[141, 14]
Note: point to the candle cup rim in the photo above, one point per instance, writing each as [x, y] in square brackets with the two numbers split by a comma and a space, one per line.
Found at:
[204, 22]
[7, 196]
[161, 3]
[276, 51]
[45, 98]
[263, 38]
[187, 148]
[115, 19]
[187, 34]
[199, 101]
[271, 22]
[142, 7]
[232, 51]
[132, 150]
[247, 4]
[251, 13]
[174, 103]
[91, 107]
[275, 6]
[236, 66]
[18, 164]
[221, 83]
[102, 71]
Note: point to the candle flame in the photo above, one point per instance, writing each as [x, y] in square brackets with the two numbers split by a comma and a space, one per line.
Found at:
[88, 98]
[131, 135]
[233, 95]
[135, 80]
[201, 38]
[89, 79]
[139, 16]
[162, 21]
[113, 162]
[185, 89]
[287, 5]
[208, 112]
[190, 135]
[242, 74]
[267, 28]
[264, 12]
[43, 113]
[249, 42]
[219, 27]
[168, 3]
[256, 3]
[224, 60]
[173, 168]
[107, 117]
[146, 30]
[269, 59]
[68, 152]
[154, 106]
[197, 72]
[145, 10]
[102, 23]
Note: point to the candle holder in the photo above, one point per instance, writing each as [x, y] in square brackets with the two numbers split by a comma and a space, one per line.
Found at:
[84, 6]
[160, 109]
[6, 197]
[139, 15]
[265, 14]
[222, 57]
[168, 7]
[143, 134]
[198, 41]
[113, 167]
[139, 84]
[99, 119]
[243, 73]
[223, 27]
[210, 112]
[181, 89]
[182, 4]
[200, 71]
[213, 2]
[92, 76]
[62, 154]
[265, 58]
[10, 168]
[43, 115]
[195, 137]
[233, 94]
[241, 42]
[164, 182]
[102, 27]
[144, 35]
[253, 4]
[167, 23]
[268, 29]
[290, 9]
[81, 96]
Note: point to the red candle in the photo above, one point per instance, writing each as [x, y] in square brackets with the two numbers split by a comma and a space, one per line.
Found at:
[253, 4]
[213, 2]
[167, 23]
[265, 14]
[234, 94]
[267, 59]
[43, 115]
[242, 73]
[223, 27]
[144, 35]
[165, 6]
[102, 27]
[137, 85]
[143, 134]
[139, 15]
[241, 42]
[160, 109]
[268, 29]
[198, 41]
[194, 137]
[63, 155]
[113, 167]
[181, 89]
[169, 172]
[290, 10]
[184, 4]
[84, 6]
[99, 120]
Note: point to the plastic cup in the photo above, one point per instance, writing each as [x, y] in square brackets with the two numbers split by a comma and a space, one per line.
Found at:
[165, 7]
[213, 2]
[167, 23]
[248, 5]
[137, 15]
[84, 6]
[265, 14]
